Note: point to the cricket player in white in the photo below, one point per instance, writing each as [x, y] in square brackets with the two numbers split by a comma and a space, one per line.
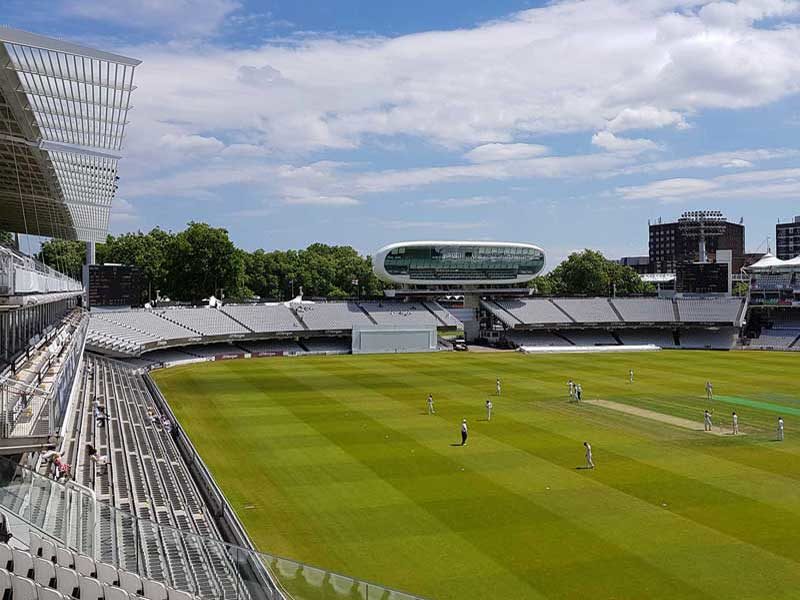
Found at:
[709, 391]
[578, 392]
[489, 407]
[497, 385]
[630, 374]
[589, 463]
[735, 419]
[571, 385]
[431, 409]
[464, 432]
[780, 429]
[707, 424]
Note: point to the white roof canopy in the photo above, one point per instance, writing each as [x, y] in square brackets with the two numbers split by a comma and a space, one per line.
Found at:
[63, 110]
[769, 262]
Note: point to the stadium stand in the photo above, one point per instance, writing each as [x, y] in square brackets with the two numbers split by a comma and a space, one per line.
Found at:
[264, 318]
[537, 338]
[777, 339]
[588, 310]
[722, 310]
[146, 478]
[722, 338]
[651, 310]
[272, 347]
[204, 321]
[322, 316]
[638, 337]
[399, 313]
[588, 337]
[445, 317]
[327, 345]
[539, 311]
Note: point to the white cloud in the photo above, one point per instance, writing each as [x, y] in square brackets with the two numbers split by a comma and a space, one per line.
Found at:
[608, 141]
[738, 159]
[176, 17]
[469, 202]
[317, 200]
[645, 117]
[493, 152]
[754, 185]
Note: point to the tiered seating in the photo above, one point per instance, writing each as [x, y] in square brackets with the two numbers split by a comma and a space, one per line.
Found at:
[445, 316]
[205, 321]
[272, 346]
[332, 315]
[777, 339]
[536, 338]
[717, 310]
[590, 337]
[333, 345]
[210, 350]
[264, 318]
[146, 322]
[588, 310]
[399, 313]
[645, 310]
[639, 337]
[146, 478]
[722, 338]
[111, 336]
[533, 311]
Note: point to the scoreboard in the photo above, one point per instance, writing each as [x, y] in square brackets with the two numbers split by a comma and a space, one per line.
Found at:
[115, 285]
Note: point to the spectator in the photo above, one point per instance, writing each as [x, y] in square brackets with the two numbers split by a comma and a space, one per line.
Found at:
[100, 415]
[100, 461]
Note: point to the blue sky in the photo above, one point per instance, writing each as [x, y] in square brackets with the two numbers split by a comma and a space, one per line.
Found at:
[566, 124]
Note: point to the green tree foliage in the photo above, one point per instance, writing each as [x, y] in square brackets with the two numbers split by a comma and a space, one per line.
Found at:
[589, 273]
[202, 260]
[64, 255]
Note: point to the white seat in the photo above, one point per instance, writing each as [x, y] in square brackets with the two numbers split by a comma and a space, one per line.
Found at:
[44, 572]
[24, 589]
[48, 550]
[179, 595]
[154, 590]
[115, 593]
[67, 581]
[65, 558]
[107, 573]
[23, 563]
[5, 582]
[34, 543]
[130, 582]
[48, 594]
[90, 588]
[85, 566]
[6, 557]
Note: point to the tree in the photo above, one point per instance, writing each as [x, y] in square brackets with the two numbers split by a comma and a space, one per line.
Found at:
[66, 256]
[202, 261]
[589, 273]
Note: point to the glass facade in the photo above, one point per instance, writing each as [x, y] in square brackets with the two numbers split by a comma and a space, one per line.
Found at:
[448, 263]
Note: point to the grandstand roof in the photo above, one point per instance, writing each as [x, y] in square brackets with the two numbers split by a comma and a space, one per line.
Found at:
[63, 110]
[770, 262]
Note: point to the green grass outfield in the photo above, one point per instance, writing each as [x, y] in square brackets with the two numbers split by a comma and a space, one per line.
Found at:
[332, 461]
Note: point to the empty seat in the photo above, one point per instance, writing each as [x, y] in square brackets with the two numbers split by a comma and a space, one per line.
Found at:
[34, 543]
[90, 588]
[23, 563]
[85, 566]
[115, 593]
[130, 582]
[107, 574]
[5, 582]
[65, 558]
[48, 594]
[44, 572]
[6, 557]
[24, 589]
[47, 550]
[67, 581]
[153, 590]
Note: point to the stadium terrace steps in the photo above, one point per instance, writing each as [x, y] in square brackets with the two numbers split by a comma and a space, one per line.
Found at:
[264, 318]
[204, 321]
[146, 479]
[399, 313]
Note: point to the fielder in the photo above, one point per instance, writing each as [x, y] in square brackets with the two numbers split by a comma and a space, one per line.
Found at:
[709, 391]
[780, 429]
[735, 419]
[589, 463]
[464, 432]
[431, 409]
[497, 385]
[707, 424]
[578, 392]
[630, 374]
[489, 407]
[571, 385]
